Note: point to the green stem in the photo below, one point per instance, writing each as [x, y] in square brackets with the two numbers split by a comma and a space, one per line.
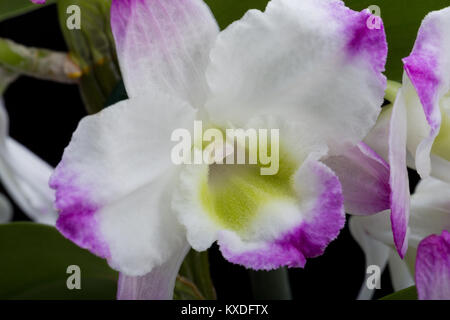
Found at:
[271, 285]
[39, 63]
[6, 78]
[93, 49]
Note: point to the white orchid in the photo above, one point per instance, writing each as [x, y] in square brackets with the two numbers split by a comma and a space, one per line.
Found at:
[430, 216]
[311, 69]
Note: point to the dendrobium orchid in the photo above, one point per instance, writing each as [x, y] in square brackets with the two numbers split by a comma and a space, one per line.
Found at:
[414, 127]
[25, 177]
[421, 112]
[312, 69]
[428, 255]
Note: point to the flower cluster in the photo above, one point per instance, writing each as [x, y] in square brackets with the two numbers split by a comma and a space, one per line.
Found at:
[310, 69]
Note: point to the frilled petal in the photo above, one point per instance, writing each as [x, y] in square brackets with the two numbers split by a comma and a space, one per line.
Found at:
[25, 176]
[258, 221]
[113, 185]
[428, 70]
[6, 209]
[155, 285]
[399, 180]
[364, 176]
[164, 45]
[375, 250]
[311, 61]
[433, 267]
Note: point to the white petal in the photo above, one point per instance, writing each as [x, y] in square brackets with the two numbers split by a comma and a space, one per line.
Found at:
[430, 210]
[375, 251]
[428, 69]
[157, 284]
[164, 45]
[400, 274]
[440, 168]
[378, 137]
[114, 183]
[311, 61]
[399, 181]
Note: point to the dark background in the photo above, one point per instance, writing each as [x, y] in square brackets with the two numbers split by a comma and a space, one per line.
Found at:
[43, 116]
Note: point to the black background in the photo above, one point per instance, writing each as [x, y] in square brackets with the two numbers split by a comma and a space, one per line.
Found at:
[44, 114]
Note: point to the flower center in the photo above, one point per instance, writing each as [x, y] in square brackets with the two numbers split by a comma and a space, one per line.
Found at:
[234, 194]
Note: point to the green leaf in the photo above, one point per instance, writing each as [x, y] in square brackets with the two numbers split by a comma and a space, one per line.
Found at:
[194, 279]
[34, 260]
[402, 20]
[13, 8]
[92, 47]
[405, 294]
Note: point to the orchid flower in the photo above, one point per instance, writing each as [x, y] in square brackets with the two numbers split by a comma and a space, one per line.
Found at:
[419, 128]
[311, 69]
[38, 1]
[428, 254]
[25, 176]
[425, 97]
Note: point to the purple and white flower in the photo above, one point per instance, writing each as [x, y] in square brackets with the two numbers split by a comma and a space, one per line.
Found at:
[415, 131]
[420, 121]
[428, 255]
[311, 69]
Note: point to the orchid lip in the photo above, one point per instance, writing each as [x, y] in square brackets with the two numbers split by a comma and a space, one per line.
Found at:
[233, 195]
